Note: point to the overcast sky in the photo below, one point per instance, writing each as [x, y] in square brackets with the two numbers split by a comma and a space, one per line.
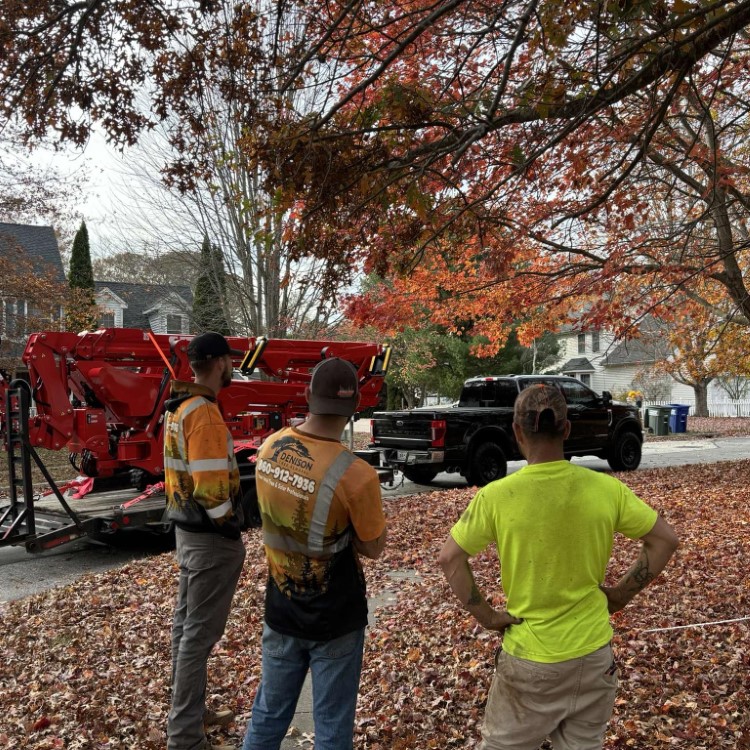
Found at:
[102, 169]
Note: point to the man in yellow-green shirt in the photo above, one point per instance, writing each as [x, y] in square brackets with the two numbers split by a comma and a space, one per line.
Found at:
[553, 524]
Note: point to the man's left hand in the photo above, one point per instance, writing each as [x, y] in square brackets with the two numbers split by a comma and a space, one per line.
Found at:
[500, 621]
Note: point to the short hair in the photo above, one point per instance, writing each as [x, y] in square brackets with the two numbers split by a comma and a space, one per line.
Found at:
[541, 410]
[203, 366]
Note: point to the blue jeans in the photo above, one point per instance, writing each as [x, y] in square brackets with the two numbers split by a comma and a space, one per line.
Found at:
[335, 666]
[210, 566]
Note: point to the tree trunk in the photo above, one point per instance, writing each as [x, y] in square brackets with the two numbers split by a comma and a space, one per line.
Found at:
[701, 398]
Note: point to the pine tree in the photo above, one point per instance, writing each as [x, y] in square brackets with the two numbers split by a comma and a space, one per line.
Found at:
[81, 313]
[210, 292]
[81, 274]
[308, 582]
[301, 522]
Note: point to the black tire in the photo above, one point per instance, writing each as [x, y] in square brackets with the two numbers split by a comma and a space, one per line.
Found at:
[249, 503]
[420, 474]
[248, 491]
[487, 463]
[625, 453]
[141, 479]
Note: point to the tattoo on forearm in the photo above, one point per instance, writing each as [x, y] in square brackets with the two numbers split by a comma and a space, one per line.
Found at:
[641, 576]
[474, 597]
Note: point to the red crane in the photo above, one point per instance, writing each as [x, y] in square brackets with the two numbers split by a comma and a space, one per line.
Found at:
[101, 395]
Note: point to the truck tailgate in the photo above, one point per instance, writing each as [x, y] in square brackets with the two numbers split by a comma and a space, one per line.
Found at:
[405, 429]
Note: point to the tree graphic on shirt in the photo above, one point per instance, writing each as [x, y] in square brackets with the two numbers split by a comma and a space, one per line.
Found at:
[300, 522]
[308, 581]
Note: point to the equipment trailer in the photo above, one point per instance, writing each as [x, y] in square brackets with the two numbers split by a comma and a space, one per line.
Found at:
[101, 395]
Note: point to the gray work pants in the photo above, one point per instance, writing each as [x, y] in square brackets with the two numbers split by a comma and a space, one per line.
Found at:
[210, 567]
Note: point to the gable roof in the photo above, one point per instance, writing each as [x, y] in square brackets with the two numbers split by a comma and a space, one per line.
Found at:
[114, 297]
[38, 243]
[645, 349]
[578, 364]
[143, 298]
[172, 298]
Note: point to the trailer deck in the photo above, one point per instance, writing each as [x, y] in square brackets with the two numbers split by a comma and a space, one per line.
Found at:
[97, 513]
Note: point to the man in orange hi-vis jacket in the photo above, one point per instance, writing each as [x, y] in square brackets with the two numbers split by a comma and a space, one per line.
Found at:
[202, 486]
[321, 509]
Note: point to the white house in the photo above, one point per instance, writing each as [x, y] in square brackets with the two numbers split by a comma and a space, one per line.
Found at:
[146, 306]
[597, 359]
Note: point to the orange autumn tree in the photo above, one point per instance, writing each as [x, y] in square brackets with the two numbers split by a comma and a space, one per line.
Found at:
[705, 344]
[675, 227]
[399, 132]
[521, 184]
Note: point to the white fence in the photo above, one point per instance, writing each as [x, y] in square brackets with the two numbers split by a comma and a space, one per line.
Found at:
[716, 407]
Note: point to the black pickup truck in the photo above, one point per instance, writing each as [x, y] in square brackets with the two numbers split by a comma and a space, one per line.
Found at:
[474, 437]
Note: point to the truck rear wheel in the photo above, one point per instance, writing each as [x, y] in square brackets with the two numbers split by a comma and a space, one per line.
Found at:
[625, 453]
[420, 474]
[249, 503]
[487, 463]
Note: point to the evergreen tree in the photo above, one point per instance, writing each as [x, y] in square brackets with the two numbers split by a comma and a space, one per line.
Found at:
[300, 522]
[81, 313]
[81, 274]
[210, 292]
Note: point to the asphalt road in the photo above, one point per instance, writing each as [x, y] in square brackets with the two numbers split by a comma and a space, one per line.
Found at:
[23, 574]
[656, 454]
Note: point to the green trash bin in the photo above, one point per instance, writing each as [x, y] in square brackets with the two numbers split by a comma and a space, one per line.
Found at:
[659, 421]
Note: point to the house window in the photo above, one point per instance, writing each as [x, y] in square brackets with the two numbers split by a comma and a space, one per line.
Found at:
[581, 343]
[174, 323]
[107, 319]
[595, 341]
[15, 318]
[585, 378]
[9, 317]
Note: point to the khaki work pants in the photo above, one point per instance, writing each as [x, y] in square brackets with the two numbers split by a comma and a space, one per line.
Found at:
[570, 702]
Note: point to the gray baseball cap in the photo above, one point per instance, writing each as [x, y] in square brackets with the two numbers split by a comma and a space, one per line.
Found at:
[334, 388]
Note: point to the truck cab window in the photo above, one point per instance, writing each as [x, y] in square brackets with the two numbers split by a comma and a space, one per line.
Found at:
[577, 393]
[481, 393]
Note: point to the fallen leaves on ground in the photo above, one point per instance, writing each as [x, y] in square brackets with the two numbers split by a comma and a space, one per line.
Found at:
[88, 665]
[718, 426]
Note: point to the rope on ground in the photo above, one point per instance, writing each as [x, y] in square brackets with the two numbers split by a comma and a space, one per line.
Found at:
[696, 625]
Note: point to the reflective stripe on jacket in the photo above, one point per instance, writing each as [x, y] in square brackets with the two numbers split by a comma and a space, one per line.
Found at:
[200, 471]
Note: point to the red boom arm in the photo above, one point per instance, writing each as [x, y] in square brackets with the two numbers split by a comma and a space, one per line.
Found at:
[101, 394]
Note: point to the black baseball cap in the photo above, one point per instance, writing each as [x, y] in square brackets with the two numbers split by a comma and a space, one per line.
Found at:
[210, 345]
[334, 388]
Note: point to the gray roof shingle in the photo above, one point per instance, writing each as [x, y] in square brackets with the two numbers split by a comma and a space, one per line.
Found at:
[142, 297]
[645, 349]
[38, 243]
[577, 364]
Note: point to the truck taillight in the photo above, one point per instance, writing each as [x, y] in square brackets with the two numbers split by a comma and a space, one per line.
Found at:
[372, 430]
[438, 428]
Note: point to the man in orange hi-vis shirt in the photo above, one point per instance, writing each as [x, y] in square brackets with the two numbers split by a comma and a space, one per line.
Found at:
[202, 484]
[321, 508]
